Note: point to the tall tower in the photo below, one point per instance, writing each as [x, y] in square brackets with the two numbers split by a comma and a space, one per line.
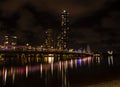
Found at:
[65, 29]
[49, 39]
[59, 42]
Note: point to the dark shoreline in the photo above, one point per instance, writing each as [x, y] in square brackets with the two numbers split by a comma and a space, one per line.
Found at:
[98, 80]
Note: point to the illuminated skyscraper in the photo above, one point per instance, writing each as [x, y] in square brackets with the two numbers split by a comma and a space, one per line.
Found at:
[59, 42]
[65, 29]
[49, 39]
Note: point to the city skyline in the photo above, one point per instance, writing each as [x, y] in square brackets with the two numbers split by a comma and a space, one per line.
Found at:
[59, 43]
[91, 23]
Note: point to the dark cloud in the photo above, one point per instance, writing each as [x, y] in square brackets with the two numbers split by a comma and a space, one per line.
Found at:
[75, 7]
[10, 7]
[26, 20]
[112, 20]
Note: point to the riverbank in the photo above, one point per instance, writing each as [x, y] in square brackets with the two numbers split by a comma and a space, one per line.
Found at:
[111, 80]
[109, 83]
[114, 83]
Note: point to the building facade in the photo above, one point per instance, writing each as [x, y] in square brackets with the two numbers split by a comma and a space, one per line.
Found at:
[10, 42]
[49, 39]
[63, 37]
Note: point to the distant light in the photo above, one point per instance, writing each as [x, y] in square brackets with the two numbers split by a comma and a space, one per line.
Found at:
[6, 36]
[27, 44]
[64, 11]
[110, 52]
[13, 43]
[6, 42]
[15, 37]
[41, 46]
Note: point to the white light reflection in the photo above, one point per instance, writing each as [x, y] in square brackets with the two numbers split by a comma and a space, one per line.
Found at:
[65, 80]
[60, 66]
[110, 60]
[41, 69]
[66, 65]
[5, 76]
[13, 77]
[71, 63]
[52, 68]
[50, 59]
[98, 59]
[27, 71]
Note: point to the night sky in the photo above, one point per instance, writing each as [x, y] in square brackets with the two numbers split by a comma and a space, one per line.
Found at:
[93, 22]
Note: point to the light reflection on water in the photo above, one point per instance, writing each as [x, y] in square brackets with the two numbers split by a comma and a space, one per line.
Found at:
[110, 60]
[48, 69]
[98, 59]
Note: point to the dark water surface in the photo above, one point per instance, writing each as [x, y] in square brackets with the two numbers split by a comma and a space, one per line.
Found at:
[78, 72]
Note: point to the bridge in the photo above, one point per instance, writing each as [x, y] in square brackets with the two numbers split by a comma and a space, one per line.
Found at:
[46, 52]
[29, 56]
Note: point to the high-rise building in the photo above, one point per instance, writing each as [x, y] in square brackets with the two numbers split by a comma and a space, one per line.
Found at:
[49, 39]
[13, 42]
[59, 42]
[65, 29]
[10, 42]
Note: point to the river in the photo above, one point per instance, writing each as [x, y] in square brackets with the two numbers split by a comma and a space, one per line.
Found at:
[75, 72]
